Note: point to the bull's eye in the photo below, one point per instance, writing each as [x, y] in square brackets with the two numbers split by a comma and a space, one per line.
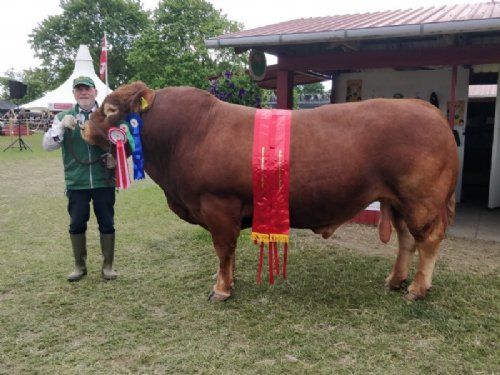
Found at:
[110, 109]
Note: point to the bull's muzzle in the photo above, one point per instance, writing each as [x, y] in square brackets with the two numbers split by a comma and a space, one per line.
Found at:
[85, 132]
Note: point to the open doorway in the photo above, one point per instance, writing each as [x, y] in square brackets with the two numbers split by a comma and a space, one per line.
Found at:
[477, 151]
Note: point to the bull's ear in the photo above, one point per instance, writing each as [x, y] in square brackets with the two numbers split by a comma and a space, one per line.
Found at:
[142, 101]
[110, 109]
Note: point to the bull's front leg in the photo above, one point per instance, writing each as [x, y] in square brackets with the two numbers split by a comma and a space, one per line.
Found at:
[225, 274]
[223, 219]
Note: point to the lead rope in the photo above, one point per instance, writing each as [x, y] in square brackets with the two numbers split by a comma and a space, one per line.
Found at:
[101, 158]
[72, 151]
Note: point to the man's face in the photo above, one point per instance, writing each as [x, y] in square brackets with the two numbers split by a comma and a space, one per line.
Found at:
[85, 96]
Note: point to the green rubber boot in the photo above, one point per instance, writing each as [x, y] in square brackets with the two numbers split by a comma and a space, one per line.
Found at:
[108, 253]
[79, 245]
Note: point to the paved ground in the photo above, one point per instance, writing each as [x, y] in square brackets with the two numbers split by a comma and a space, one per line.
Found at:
[473, 221]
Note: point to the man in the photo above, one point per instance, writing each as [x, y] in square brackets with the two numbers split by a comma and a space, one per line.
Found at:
[86, 177]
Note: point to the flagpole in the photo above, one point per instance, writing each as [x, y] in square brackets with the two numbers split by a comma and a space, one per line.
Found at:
[107, 84]
[103, 63]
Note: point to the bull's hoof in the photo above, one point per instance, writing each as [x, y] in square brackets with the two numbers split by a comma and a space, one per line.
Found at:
[218, 297]
[394, 284]
[414, 293]
[409, 296]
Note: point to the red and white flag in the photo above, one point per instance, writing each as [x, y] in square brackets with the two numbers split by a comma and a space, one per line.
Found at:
[103, 61]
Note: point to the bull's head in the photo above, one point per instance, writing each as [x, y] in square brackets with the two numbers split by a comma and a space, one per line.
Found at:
[134, 97]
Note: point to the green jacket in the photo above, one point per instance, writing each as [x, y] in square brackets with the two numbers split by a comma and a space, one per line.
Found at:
[80, 176]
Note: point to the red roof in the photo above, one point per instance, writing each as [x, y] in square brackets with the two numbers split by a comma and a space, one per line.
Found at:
[446, 19]
[436, 14]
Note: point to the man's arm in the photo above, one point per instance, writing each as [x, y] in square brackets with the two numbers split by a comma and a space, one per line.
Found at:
[53, 138]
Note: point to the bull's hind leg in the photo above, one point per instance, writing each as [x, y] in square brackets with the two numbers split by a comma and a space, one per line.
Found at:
[428, 251]
[406, 251]
[222, 218]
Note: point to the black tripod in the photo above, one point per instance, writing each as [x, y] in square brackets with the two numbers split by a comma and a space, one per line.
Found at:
[22, 145]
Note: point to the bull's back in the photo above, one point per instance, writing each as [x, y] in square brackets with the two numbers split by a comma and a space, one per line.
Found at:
[344, 156]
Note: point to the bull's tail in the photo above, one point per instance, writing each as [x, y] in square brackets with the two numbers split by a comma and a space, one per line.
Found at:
[448, 212]
[450, 209]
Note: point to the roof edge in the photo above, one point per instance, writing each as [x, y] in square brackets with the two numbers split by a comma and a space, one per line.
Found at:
[423, 29]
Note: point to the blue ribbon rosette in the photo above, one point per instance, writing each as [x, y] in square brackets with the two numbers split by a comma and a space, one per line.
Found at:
[135, 126]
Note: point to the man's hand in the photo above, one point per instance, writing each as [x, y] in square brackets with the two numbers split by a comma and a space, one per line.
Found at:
[69, 122]
[110, 161]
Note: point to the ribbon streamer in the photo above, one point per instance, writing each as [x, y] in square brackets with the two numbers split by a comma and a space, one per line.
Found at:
[134, 121]
[118, 137]
[270, 182]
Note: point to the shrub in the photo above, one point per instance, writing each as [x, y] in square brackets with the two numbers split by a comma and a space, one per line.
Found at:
[236, 89]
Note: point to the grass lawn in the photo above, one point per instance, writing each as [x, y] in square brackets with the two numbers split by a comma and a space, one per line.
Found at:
[332, 315]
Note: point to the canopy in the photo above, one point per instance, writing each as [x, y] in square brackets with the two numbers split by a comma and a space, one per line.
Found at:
[62, 97]
[5, 106]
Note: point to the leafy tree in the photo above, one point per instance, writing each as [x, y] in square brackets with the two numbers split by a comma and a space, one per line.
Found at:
[35, 79]
[56, 40]
[311, 89]
[171, 51]
[4, 83]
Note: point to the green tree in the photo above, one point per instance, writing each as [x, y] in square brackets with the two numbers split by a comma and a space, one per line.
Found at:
[311, 89]
[171, 52]
[35, 79]
[56, 40]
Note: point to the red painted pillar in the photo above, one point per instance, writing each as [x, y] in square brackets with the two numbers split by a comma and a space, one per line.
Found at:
[453, 96]
[284, 85]
[333, 91]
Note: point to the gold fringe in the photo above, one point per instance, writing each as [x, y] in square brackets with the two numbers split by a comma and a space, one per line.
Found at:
[266, 238]
[260, 237]
[281, 238]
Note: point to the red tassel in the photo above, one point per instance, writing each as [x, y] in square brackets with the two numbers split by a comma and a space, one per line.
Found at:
[261, 261]
[276, 259]
[285, 258]
[270, 261]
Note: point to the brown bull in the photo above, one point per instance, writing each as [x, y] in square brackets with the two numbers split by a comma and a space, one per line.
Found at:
[342, 157]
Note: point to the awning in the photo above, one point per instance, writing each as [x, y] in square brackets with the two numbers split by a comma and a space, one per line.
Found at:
[5, 106]
[299, 78]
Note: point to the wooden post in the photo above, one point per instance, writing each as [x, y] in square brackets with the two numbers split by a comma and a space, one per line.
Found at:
[285, 89]
[453, 95]
[284, 85]
[333, 90]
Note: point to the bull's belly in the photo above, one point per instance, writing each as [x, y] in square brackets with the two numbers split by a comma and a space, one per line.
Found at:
[317, 208]
[323, 214]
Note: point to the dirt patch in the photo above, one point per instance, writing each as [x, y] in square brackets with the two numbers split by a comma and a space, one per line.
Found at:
[458, 253]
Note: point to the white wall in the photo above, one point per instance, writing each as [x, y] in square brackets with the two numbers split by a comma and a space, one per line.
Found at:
[494, 191]
[384, 83]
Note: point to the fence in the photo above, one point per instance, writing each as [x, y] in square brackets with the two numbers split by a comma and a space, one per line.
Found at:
[28, 125]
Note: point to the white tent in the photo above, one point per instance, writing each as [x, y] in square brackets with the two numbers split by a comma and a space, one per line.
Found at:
[62, 98]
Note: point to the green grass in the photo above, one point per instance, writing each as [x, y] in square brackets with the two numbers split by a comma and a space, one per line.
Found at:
[332, 315]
